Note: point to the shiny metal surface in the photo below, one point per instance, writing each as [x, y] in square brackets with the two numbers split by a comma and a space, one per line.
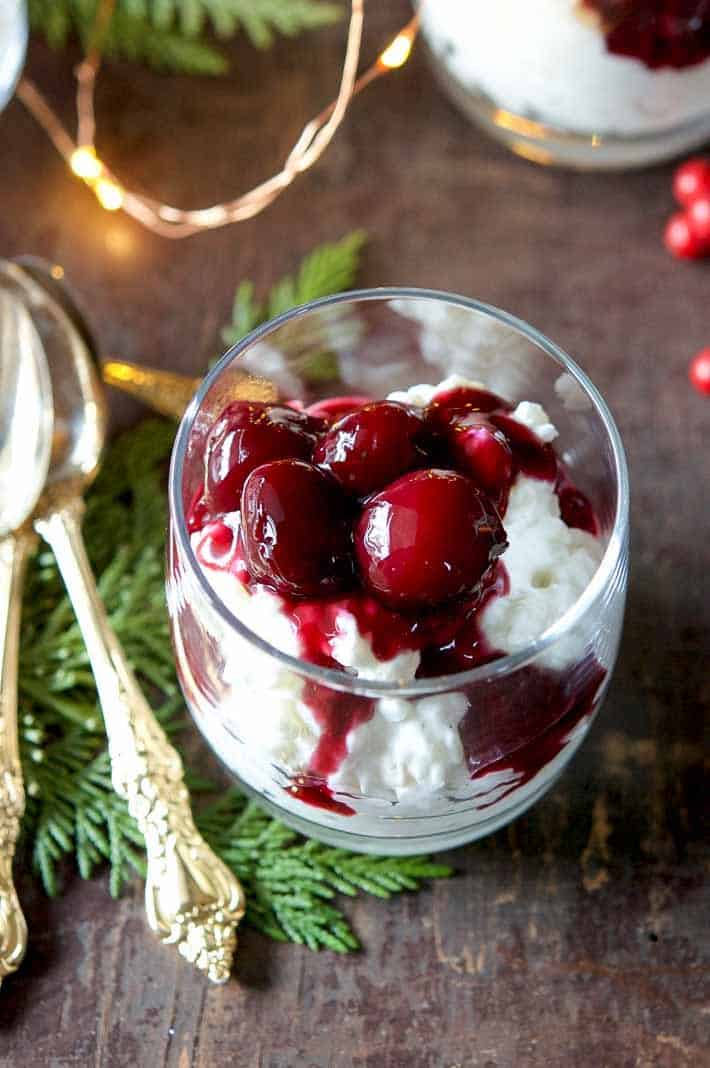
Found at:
[25, 446]
[25, 414]
[192, 899]
[79, 405]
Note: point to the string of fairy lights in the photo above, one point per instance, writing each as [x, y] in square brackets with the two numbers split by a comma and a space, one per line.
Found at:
[83, 160]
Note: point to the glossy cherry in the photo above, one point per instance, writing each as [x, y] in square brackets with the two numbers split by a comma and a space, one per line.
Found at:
[334, 408]
[248, 434]
[698, 214]
[481, 451]
[296, 530]
[691, 180]
[371, 447]
[452, 403]
[427, 538]
[530, 455]
[699, 371]
[680, 239]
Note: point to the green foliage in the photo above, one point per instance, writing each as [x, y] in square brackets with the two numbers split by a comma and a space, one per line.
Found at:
[169, 34]
[289, 880]
[72, 811]
[330, 268]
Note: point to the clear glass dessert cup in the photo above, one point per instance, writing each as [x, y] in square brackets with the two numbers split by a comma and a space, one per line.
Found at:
[557, 84]
[515, 721]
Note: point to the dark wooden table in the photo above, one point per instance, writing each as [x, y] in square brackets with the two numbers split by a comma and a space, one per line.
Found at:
[579, 935]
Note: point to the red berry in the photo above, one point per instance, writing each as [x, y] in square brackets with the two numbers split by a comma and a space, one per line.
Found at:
[699, 220]
[699, 371]
[454, 402]
[482, 452]
[334, 408]
[296, 530]
[680, 239]
[371, 447]
[691, 180]
[530, 455]
[247, 434]
[427, 538]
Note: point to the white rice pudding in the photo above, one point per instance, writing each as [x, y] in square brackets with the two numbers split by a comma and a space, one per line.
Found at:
[548, 60]
[410, 750]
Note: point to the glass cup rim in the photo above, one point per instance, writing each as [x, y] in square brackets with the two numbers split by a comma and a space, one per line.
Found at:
[506, 664]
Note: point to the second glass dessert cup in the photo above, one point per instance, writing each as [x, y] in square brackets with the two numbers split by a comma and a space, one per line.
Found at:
[514, 722]
[577, 83]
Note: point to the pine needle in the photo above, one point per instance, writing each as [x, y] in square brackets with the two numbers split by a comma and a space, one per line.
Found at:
[73, 817]
[328, 269]
[167, 34]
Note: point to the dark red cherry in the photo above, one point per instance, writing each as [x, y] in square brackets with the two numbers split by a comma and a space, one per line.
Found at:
[481, 451]
[691, 180]
[448, 405]
[680, 238]
[530, 455]
[659, 33]
[698, 214]
[369, 448]
[699, 371]
[334, 408]
[296, 530]
[427, 538]
[247, 434]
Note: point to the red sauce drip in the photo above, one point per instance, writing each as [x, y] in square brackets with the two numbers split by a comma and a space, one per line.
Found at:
[551, 704]
[198, 514]
[660, 33]
[336, 714]
[313, 792]
[433, 634]
[464, 646]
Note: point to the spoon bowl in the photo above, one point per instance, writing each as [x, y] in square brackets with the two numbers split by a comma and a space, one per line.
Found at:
[80, 414]
[25, 449]
[25, 414]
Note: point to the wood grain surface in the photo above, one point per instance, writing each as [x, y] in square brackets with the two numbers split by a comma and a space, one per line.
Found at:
[579, 936]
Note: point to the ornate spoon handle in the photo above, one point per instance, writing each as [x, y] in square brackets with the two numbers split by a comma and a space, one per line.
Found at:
[14, 550]
[192, 898]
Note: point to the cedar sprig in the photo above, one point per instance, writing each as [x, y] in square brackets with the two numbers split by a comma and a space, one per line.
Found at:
[173, 35]
[329, 268]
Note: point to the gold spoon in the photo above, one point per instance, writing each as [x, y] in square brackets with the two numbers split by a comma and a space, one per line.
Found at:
[192, 898]
[25, 446]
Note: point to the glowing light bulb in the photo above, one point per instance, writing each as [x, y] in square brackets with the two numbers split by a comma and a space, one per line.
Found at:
[397, 52]
[108, 194]
[85, 164]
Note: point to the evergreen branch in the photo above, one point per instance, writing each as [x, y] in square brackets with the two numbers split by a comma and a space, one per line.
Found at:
[139, 40]
[166, 33]
[329, 269]
[72, 811]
